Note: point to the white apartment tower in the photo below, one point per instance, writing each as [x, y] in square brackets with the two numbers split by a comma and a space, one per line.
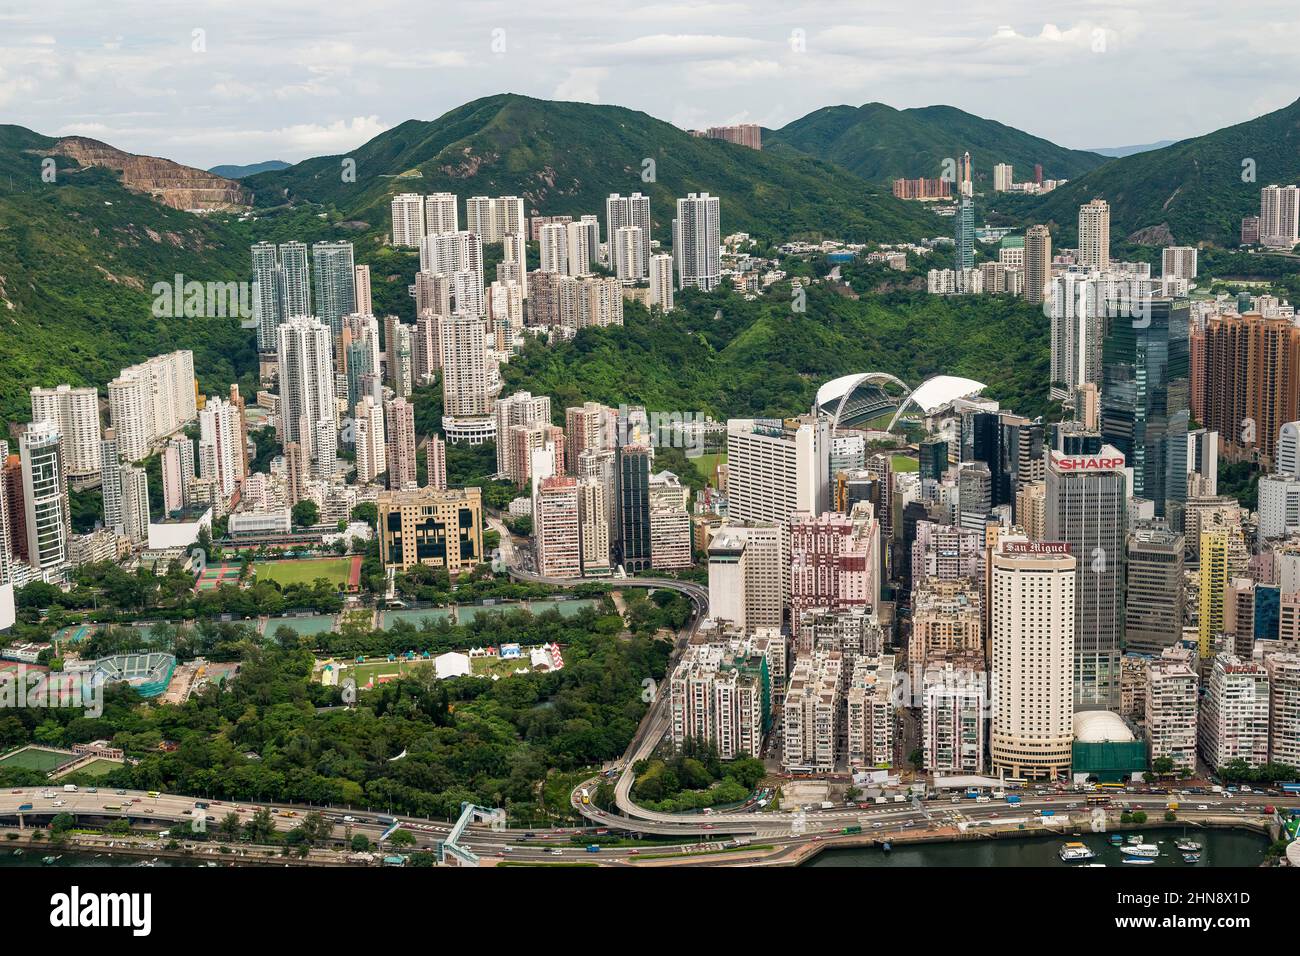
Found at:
[440, 214]
[496, 217]
[1171, 711]
[45, 497]
[697, 242]
[1094, 235]
[630, 212]
[1235, 712]
[661, 281]
[306, 380]
[1279, 216]
[408, 219]
[371, 449]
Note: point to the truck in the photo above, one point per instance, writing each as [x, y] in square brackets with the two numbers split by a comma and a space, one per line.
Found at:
[69, 788]
[24, 806]
[972, 794]
[593, 847]
[1013, 800]
[1047, 813]
[1290, 788]
[827, 805]
[853, 829]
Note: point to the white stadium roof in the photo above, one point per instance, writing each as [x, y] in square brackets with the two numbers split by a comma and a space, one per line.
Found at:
[1100, 726]
[934, 393]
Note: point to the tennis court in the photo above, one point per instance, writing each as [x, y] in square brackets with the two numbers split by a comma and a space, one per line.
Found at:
[215, 575]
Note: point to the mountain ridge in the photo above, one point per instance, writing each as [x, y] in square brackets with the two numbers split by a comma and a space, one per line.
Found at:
[881, 143]
[1197, 189]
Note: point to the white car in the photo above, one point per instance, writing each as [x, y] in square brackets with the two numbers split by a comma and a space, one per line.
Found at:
[1203, 807]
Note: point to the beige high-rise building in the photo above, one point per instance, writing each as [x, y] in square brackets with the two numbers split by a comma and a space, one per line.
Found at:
[408, 219]
[587, 427]
[399, 432]
[869, 713]
[661, 281]
[1279, 216]
[1171, 709]
[151, 400]
[440, 215]
[1234, 714]
[593, 527]
[365, 302]
[1003, 177]
[812, 713]
[75, 411]
[947, 618]
[1284, 708]
[556, 528]
[1038, 263]
[371, 444]
[469, 379]
[747, 568]
[521, 408]
[1031, 509]
[1032, 595]
[1094, 235]
[435, 463]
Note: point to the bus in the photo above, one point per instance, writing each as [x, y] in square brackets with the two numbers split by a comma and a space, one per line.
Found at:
[154, 793]
[586, 799]
[1110, 786]
[1098, 800]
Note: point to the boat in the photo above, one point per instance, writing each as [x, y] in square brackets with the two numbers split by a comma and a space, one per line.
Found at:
[1149, 850]
[49, 859]
[1188, 846]
[886, 847]
[1138, 860]
[1116, 839]
[1135, 839]
[1073, 852]
[1191, 858]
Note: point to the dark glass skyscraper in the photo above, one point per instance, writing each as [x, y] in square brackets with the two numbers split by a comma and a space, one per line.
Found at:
[1146, 401]
[633, 477]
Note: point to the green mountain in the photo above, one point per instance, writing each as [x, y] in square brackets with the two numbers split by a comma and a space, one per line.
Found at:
[881, 143]
[78, 259]
[233, 171]
[1195, 190]
[724, 355]
[565, 158]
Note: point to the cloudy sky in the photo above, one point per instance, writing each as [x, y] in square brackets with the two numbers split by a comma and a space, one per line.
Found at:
[227, 81]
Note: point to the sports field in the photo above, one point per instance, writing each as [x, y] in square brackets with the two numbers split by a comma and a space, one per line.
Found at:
[378, 671]
[99, 768]
[902, 463]
[215, 575]
[338, 571]
[35, 758]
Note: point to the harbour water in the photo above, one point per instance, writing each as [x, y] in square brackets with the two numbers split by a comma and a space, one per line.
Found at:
[35, 856]
[1220, 848]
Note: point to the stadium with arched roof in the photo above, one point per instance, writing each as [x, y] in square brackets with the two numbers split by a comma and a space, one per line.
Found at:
[862, 397]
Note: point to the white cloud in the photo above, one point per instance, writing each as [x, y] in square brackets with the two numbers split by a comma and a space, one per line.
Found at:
[582, 84]
[282, 70]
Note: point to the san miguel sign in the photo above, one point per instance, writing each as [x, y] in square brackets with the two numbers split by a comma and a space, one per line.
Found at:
[1035, 547]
